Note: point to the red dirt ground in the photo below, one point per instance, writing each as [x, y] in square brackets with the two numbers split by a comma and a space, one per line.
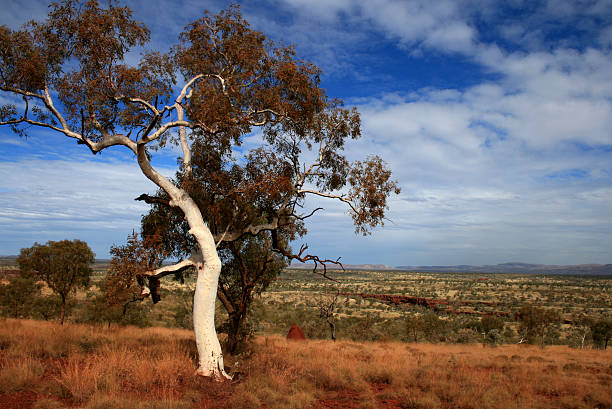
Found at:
[22, 400]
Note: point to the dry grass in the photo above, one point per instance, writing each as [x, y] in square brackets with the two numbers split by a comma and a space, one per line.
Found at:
[432, 376]
[20, 375]
[93, 367]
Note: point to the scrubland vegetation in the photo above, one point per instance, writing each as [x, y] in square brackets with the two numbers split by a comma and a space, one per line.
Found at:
[480, 308]
[43, 365]
[461, 355]
[464, 300]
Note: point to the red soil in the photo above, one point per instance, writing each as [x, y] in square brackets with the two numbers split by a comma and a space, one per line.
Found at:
[431, 303]
[23, 400]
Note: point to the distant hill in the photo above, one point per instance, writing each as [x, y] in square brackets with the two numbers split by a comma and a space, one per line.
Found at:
[513, 267]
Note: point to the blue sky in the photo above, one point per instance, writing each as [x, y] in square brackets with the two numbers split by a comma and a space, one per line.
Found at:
[495, 117]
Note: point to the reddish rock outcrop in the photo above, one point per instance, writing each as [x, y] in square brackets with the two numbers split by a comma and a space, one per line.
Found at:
[437, 305]
[296, 333]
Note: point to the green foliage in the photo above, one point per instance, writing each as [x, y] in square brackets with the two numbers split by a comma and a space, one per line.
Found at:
[434, 328]
[249, 266]
[18, 297]
[120, 293]
[492, 322]
[493, 337]
[602, 332]
[182, 308]
[63, 265]
[99, 310]
[466, 336]
[538, 324]
[414, 327]
[22, 298]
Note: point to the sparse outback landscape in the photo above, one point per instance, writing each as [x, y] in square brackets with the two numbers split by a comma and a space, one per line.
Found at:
[375, 362]
[255, 149]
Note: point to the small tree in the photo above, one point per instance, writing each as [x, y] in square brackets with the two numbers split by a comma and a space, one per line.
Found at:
[249, 267]
[536, 323]
[491, 322]
[433, 327]
[414, 326]
[602, 332]
[18, 297]
[63, 265]
[327, 309]
[120, 291]
[580, 330]
[22, 298]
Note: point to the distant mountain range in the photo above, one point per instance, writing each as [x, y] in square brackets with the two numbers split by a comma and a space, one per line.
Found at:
[581, 269]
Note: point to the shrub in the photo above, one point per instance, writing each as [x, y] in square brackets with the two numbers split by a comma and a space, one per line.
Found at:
[18, 297]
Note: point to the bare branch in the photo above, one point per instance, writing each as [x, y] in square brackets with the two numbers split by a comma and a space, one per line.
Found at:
[162, 129]
[22, 92]
[222, 236]
[342, 198]
[150, 127]
[304, 257]
[182, 132]
[152, 284]
[188, 85]
[171, 269]
[308, 215]
[95, 147]
[152, 199]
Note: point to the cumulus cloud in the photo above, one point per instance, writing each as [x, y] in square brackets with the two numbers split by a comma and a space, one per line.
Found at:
[480, 169]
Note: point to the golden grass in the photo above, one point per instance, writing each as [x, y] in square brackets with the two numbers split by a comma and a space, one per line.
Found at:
[93, 367]
[20, 375]
[435, 376]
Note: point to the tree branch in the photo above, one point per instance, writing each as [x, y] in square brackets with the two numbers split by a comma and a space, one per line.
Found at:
[305, 258]
[253, 230]
[138, 101]
[308, 215]
[95, 147]
[171, 269]
[153, 199]
[342, 198]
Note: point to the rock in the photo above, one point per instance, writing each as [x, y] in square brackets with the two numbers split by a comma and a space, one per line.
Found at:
[296, 333]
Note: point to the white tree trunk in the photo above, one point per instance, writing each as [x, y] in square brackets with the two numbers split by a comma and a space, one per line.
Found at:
[208, 266]
[209, 349]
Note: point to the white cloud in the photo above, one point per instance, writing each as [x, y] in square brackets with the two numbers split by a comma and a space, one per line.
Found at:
[514, 168]
[44, 200]
[500, 166]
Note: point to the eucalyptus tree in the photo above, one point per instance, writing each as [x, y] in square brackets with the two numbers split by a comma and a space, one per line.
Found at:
[63, 265]
[221, 82]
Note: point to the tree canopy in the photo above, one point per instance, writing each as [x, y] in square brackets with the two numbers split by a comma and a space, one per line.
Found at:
[221, 83]
[63, 265]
